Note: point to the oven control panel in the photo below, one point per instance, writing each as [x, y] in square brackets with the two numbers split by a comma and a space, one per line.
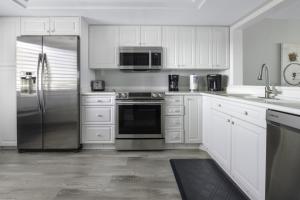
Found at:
[140, 95]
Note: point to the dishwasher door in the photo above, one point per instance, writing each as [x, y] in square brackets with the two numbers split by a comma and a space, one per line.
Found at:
[283, 156]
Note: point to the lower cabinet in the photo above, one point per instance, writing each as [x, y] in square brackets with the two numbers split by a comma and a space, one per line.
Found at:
[239, 147]
[221, 139]
[98, 134]
[248, 159]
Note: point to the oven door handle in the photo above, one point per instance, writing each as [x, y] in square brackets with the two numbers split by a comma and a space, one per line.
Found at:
[140, 102]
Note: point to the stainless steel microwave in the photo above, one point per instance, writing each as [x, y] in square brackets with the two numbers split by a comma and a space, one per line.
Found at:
[140, 58]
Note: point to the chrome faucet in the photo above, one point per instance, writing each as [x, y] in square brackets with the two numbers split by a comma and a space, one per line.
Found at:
[268, 90]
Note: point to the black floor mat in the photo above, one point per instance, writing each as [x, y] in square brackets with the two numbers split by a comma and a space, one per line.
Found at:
[202, 179]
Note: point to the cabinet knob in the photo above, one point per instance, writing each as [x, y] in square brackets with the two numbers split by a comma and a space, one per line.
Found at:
[100, 115]
[232, 123]
[220, 105]
[246, 113]
[99, 100]
[228, 120]
[99, 135]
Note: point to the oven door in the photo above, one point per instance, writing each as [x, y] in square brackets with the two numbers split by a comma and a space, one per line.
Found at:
[139, 119]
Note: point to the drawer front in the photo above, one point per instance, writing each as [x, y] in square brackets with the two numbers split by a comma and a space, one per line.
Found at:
[98, 100]
[98, 115]
[252, 114]
[174, 100]
[174, 122]
[174, 136]
[174, 110]
[98, 134]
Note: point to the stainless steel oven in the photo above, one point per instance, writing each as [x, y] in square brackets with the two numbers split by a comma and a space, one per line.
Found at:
[140, 121]
[140, 58]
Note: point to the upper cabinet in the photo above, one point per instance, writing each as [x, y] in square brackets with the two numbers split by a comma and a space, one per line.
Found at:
[203, 48]
[169, 43]
[220, 47]
[140, 36]
[50, 26]
[151, 36]
[130, 36]
[103, 46]
[186, 47]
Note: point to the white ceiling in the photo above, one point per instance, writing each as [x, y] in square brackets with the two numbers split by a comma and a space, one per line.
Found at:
[185, 12]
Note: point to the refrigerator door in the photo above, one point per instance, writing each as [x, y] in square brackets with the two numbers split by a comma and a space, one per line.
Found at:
[60, 89]
[28, 74]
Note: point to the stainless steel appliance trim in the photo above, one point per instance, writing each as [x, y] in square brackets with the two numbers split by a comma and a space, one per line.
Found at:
[38, 81]
[283, 118]
[140, 136]
[140, 144]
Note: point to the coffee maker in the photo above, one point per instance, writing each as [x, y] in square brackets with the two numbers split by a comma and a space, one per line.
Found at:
[173, 82]
[214, 82]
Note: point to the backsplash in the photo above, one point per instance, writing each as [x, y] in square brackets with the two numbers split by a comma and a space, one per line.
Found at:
[120, 80]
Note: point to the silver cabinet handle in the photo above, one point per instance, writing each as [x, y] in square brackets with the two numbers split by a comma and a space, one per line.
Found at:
[99, 100]
[99, 135]
[100, 115]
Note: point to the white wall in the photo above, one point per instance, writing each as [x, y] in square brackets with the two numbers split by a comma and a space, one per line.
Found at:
[116, 79]
[261, 44]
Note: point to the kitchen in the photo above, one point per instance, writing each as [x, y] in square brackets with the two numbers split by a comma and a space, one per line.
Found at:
[134, 100]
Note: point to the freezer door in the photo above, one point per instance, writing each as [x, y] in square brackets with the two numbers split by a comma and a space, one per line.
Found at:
[28, 74]
[60, 88]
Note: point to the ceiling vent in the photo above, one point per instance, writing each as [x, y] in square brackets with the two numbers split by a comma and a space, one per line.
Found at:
[22, 3]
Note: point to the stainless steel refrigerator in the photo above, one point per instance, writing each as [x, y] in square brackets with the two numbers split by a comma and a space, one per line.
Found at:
[48, 93]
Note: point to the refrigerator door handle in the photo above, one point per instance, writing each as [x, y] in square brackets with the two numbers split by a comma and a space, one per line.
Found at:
[40, 58]
[44, 65]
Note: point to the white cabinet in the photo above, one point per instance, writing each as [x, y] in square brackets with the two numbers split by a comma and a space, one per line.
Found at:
[249, 157]
[35, 26]
[173, 117]
[169, 43]
[203, 48]
[103, 46]
[221, 139]
[130, 36]
[207, 122]
[220, 47]
[97, 119]
[9, 30]
[151, 36]
[186, 47]
[50, 25]
[65, 25]
[193, 119]
[140, 35]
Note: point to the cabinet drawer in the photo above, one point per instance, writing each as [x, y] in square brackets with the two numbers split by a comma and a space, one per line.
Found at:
[174, 100]
[98, 100]
[97, 134]
[174, 110]
[174, 136]
[98, 115]
[174, 122]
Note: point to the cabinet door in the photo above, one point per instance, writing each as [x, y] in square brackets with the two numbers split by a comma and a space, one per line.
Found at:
[35, 26]
[193, 119]
[169, 43]
[220, 51]
[186, 47]
[103, 46]
[203, 48]
[221, 139]
[249, 157]
[207, 122]
[130, 36]
[151, 36]
[64, 26]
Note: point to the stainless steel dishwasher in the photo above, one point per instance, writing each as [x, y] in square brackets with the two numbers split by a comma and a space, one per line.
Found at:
[283, 156]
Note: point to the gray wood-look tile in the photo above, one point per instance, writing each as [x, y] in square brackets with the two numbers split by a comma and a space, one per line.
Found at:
[90, 175]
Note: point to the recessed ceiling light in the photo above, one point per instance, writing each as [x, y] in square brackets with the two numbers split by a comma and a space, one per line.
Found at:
[22, 3]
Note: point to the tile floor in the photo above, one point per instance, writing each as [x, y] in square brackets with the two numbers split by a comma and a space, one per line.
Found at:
[90, 175]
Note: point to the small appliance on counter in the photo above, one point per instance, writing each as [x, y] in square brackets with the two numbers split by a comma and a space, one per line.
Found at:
[97, 85]
[194, 83]
[173, 82]
[214, 82]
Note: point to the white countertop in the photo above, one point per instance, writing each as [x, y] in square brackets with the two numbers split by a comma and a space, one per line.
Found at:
[289, 106]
